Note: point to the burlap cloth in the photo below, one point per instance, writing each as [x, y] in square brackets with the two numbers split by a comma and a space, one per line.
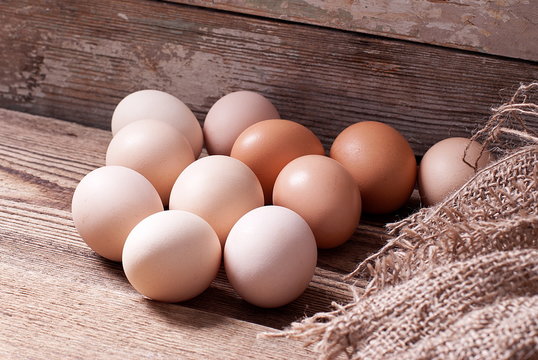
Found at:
[458, 280]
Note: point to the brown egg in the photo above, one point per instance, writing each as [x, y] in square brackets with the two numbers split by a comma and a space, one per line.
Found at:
[324, 193]
[381, 161]
[232, 114]
[266, 147]
[442, 169]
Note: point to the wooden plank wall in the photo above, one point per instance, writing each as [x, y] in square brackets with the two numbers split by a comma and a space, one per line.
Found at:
[75, 60]
[501, 27]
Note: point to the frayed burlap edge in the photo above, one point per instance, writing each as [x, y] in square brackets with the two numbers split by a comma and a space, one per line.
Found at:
[393, 269]
[387, 265]
[402, 321]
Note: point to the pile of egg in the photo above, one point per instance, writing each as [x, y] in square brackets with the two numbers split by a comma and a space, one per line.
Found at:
[263, 201]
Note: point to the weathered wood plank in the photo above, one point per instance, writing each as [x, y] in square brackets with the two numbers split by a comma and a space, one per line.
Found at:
[76, 60]
[507, 28]
[45, 314]
[61, 300]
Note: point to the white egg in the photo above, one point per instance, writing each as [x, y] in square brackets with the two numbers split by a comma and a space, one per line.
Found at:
[155, 149]
[232, 114]
[443, 169]
[107, 203]
[172, 256]
[270, 256]
[218, 188]
[158, 105]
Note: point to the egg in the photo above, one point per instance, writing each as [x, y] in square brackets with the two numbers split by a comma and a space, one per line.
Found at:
[232, 114]
[108, 203]
[443, 170]
[159, 105]
[171, 256]
[267, 146]
[218, 188]
[381, 161]
[270, 256]
[324, 193]
[155, 149]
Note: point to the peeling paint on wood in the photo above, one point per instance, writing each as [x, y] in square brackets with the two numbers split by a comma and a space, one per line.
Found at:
[77, 61]
[500, 27]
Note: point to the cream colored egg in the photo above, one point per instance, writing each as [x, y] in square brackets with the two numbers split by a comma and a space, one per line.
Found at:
[159, 105]
[172, 256]
[218, 188]
[108, 203]
[270, 256]
[155, 149]
[443, 169]
[232, 114]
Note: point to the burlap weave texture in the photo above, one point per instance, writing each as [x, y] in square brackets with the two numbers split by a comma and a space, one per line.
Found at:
[458, 280]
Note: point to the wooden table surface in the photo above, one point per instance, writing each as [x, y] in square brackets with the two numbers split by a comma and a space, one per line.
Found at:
[64, 65]
[61, 300]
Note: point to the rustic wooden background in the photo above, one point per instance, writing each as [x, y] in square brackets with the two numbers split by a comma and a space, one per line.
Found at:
[65, 64]
[75, 60]
[506, 27]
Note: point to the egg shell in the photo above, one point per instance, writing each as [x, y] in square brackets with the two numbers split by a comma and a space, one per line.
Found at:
[159, 105]
[324, 193]
[267, 146]
[443, 170]
[232, 114]
[381, 161]
[172, 256]
[155, 149]
[270, 256]
[108, 203]
[218, 188]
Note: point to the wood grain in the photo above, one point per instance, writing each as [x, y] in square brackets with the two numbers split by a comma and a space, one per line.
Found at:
[507, 28]
[61, 300]
[75, 60]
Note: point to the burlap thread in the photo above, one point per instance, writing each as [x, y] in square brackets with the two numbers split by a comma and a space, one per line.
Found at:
[458, 280]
